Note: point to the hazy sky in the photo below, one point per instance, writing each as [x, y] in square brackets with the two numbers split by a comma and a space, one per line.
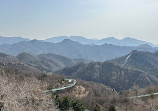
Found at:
[40, 19]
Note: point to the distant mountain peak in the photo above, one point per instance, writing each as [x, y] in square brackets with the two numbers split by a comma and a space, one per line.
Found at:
[128, 38]
[11, 40]
[68, 41]
[76, 37]
[34, 40]
[111, 38]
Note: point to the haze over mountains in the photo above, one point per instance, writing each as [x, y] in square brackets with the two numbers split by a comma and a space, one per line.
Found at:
[110, 40]
[119, 73]
[78, 55]
[67, 57]
[72, 49]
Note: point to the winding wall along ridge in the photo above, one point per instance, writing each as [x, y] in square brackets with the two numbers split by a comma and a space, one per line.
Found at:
[62, 88]
[74, 83]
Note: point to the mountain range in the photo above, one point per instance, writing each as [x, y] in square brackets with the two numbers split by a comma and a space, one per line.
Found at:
[72, 49]
[120, 67]
[136, 68]
[110, 40]
[110, 74]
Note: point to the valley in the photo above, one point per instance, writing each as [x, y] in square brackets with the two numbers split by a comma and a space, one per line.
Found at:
[79, 80]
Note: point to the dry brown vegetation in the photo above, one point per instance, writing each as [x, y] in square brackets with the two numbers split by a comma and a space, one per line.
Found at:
[24, 95]
[80, 92]
[104, 97]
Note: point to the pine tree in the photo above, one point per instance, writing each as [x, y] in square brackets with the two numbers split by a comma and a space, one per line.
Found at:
[112, 108]
[78, 105]
[65, 103]
[97, 108]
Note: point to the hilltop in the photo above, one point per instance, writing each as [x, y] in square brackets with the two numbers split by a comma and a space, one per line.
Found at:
[48, 62]
[145, 61]
[11, 40]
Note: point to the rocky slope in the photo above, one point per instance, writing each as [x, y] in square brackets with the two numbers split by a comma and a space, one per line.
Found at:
[110, 74]
[145, 61]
